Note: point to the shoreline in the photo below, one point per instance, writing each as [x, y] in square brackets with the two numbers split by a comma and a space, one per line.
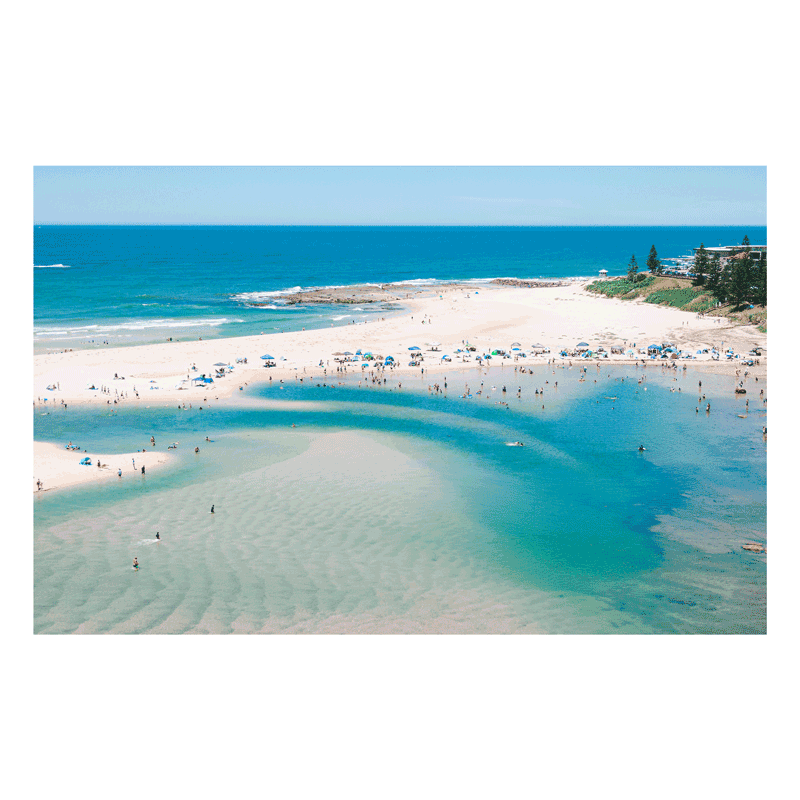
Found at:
[491, 317]
[59, 468]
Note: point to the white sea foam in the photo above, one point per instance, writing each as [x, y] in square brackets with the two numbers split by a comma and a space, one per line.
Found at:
[135, 325]
[51, 266]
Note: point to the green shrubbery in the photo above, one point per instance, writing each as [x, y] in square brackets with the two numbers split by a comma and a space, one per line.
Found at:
[619, 287]
[677, 298]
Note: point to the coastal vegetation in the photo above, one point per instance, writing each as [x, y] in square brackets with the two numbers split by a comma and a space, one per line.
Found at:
[682, 294]
[735, 288]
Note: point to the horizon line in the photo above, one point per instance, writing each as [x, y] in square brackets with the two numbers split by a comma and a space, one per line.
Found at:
[372, 225]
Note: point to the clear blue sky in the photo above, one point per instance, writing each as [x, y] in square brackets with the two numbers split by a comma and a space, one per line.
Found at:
[401, 195]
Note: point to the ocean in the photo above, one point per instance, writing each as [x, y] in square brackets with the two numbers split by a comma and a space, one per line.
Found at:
[100, 286]
[391, 509]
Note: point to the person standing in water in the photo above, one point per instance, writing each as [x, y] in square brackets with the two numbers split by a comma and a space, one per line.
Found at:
[158, 535]
[136, 563]
[212, 509]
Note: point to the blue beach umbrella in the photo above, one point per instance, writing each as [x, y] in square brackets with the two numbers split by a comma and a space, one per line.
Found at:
[414, 348]
[268, 358]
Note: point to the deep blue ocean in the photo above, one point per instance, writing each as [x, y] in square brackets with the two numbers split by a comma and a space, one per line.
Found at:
[128, 285]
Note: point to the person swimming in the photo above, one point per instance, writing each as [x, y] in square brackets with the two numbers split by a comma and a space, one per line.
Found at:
[641, 448]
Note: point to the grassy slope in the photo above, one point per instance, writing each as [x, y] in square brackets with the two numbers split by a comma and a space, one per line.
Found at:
[678, 293]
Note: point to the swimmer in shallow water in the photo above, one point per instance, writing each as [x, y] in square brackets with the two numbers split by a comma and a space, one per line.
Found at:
[136, 563]
[641, 448]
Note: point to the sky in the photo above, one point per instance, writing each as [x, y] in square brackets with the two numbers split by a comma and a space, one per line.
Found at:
[550, 195]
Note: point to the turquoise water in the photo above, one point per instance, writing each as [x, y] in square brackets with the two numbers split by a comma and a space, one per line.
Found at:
[141, 284]
[398, 510]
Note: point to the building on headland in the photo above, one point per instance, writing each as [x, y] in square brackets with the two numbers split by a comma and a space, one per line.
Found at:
[757, 252]
[603, 273]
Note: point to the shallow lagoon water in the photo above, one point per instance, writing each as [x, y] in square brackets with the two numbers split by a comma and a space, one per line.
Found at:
[396, 510]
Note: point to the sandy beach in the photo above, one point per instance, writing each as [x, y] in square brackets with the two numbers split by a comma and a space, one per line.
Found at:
[557, 317]
[57, 467]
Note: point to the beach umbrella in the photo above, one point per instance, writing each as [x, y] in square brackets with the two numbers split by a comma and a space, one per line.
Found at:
[337, 354]
[347, 353]
[414, 348]
[582, 346]
[358, 352]
[268, 358]
[516, 348]
[220, 364]
[515, 344]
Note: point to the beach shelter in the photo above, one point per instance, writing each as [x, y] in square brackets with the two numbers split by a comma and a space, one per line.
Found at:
[414, 348]
[268, 358]
[582, 346]
[516, 344]
[654, 348]
[347, 353]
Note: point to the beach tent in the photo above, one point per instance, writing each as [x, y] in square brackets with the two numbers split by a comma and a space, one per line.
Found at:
[86, 462]
[654, 347]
